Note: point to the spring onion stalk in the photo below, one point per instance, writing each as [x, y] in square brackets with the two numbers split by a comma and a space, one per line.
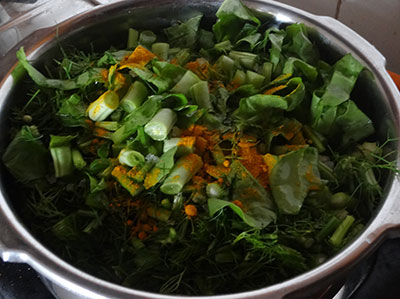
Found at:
[315, 138]
[185, 83]
[161, 124]
[130, 158]
[60, 150]
[326, 172]
[141, 174]
[255, 79]
[266, 71]
[134, 97]
[182, 57]
[100, 109]
[328, 228]
[248, 60]
[183, 171]
[160, 214]
[218, 155]
[214, 190]
[224, 46]
[339, 234]
[185, 145]
[120, 173]
[240, 78]
[201, 95]
[147, 38]
[161, 50]
[77, 159]
[62, 159]
[226, 65]
[107, 125]
[133, 36]
[368, 177]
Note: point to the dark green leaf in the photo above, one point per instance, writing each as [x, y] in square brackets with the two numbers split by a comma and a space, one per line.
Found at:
[26, 157]
[292, 177]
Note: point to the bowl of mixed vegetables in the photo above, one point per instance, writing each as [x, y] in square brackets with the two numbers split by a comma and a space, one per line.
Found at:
[197, 149]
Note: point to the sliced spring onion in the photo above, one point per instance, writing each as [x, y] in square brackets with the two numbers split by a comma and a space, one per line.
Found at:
[161, 124]
[255, 79]
[130, 158]
[248, 60]
[183, 171]
[339, 234]
[185, 83]
[226, 65]
[77, 159]
[100, 109]
[266, 71]
[134, 97]
[201, 95]
[107, 125]
[147, 38]
[161, 50]
[214, 190]
[133, 36]
[185, 145]
[240, 78]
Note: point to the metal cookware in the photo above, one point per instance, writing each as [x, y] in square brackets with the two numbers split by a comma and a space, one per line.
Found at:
[108, 24]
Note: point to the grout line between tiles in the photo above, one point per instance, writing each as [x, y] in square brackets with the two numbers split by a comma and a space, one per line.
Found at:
[338, 6]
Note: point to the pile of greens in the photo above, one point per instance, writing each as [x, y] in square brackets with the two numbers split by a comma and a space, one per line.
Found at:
[197, 161]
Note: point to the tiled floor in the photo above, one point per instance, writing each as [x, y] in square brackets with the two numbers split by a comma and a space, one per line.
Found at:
[376, 21]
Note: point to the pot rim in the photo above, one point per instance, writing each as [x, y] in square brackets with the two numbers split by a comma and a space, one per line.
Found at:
[23, 247]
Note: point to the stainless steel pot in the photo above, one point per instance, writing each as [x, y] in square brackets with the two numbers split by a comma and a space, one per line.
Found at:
[107, 24]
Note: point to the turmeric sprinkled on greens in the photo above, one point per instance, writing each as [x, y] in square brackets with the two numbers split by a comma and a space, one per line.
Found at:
[208, 154]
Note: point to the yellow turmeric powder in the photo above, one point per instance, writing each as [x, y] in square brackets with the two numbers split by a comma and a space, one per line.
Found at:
[137, 59]
[191, 211]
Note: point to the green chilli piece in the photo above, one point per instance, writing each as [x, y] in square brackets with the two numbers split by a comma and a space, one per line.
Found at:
[161, 124]
[183, 171]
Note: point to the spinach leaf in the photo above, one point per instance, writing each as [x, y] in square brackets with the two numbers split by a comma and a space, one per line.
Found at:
[292, 177]
[232, 16]
[298, 44]
[333, 113]
[72, 112]
[260, 107]
[26, 157]
[293, 64]
[256, 206]
[184, 35]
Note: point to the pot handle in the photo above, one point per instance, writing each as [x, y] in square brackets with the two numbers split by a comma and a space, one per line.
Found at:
[344, 33]
[11, 246]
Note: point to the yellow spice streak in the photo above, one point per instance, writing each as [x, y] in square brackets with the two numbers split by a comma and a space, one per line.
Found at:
[95, 107]
[192, 163]
[270, 161]
[121, 174]
[151, 178]
[138, 58]
[274, 89]
[187, 141]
